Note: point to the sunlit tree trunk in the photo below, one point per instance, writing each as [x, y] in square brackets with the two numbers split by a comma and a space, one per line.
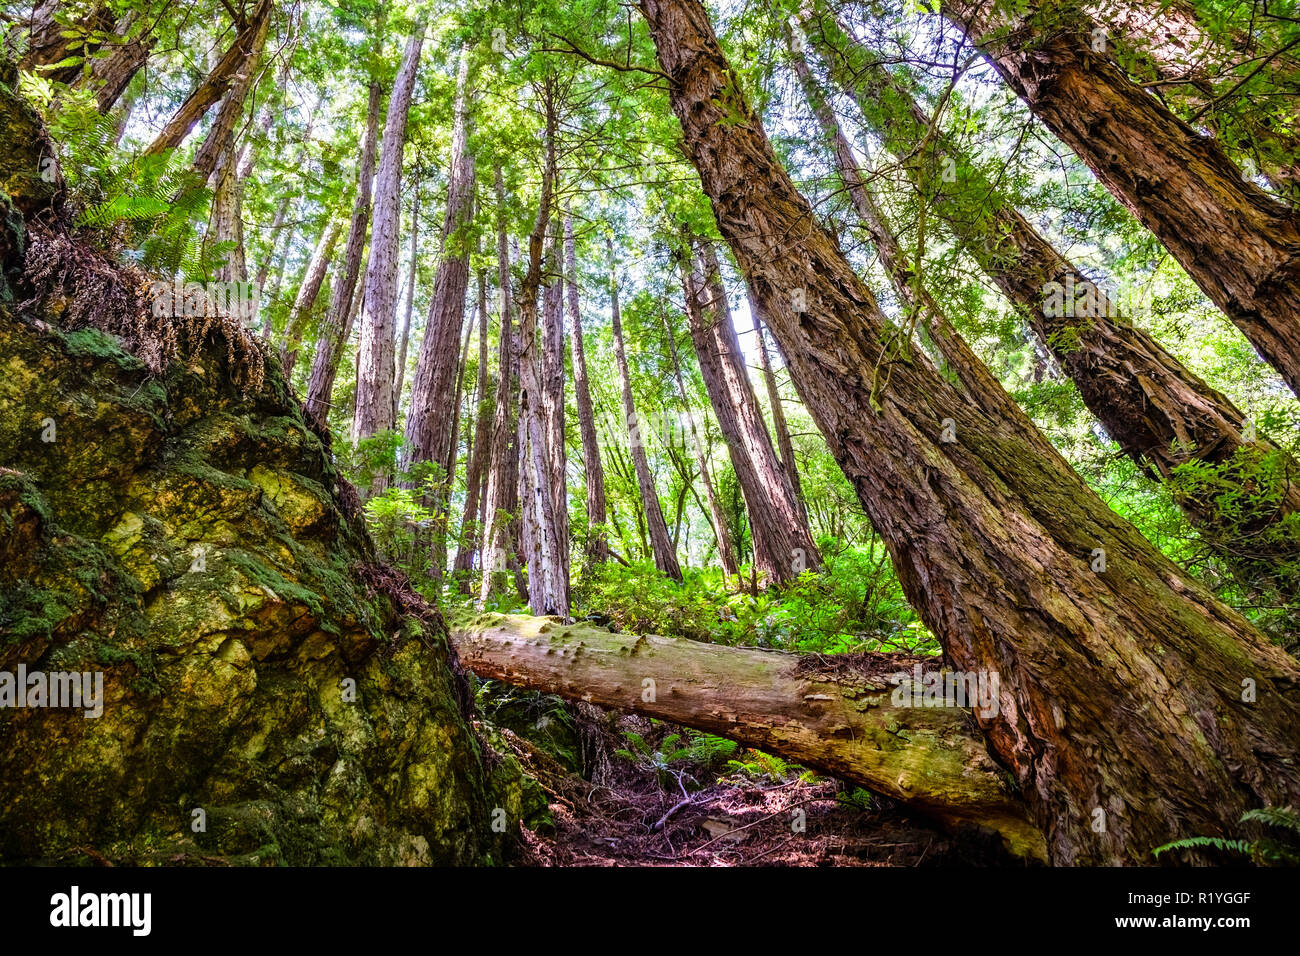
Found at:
[1239, 244]
[783, 545]
[1120, 704]
[235, 68]
[553, 394]
[500, 550]
[480, 460]
[597, 546]
[337, 325]
[376, 408]
[1162, 415]
[661, 545]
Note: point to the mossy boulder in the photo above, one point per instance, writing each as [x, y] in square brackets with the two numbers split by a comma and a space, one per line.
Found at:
[192, 543]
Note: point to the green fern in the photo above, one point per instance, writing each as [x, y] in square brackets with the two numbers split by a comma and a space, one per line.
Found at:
[1266, 851]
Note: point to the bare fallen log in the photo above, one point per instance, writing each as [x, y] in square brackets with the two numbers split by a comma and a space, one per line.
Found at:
[835, 714]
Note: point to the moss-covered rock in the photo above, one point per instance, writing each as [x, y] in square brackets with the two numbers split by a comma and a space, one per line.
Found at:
[188, 541]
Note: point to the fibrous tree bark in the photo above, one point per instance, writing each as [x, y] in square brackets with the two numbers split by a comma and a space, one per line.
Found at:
[480, 459]
[500, 550]
[428, 426]
[337, 325]
[376, 408]
[717, 518]
[235, 67]
[1120, 706]
[1238, 243]
[784, 444]
[548, 586]
[1166, 46]
[847, 715]
[783, 545]
[597, 546]
[661, 545]
[1162, 415]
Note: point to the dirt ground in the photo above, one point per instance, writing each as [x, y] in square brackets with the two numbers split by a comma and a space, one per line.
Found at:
[637, 817]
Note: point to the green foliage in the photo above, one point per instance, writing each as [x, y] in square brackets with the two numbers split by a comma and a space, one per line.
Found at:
[757, 765]
[678, 755]
[1266, 850]
[856, 604]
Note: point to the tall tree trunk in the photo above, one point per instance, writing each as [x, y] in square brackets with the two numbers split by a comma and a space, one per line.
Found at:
[430, 432]
[500, 529]
[308, 292]
[779, 425]
[1239, 244]
[237, 66]
[1166, 42]
[376, 406]
[790, 705]
[1162, 414]
[548, 590]
[337, 325]
[404, 337]
[661, 545]
[112, 63]
[783, 545]
[1120, 707]
[553, 394]
[726, 550]
[480, 462]
[226, 218]
[597, 547]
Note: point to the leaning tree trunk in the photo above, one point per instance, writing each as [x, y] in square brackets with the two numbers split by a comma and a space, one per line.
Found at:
[1162, 415]
[247, 45]
[337, 325]
[597, 548]
[661, 545]
[1239, 244]
[784, 443]
[1165, 42]
[376, 404]
[500, 548]
[222, 130]
[848, 715]
[308, 291]
[1121, 679]
[783, 545]
[721, 533]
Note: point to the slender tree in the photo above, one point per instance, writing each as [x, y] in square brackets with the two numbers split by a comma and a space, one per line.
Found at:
[597, 547]
[376, 404]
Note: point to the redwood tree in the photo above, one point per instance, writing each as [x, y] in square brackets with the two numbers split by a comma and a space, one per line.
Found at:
[1122, 713]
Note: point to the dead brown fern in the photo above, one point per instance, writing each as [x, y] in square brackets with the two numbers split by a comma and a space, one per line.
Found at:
[82, 287]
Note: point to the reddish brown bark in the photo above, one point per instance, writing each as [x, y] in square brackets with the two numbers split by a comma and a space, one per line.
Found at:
[235, 66]
[1120, 703]
[376, 408]
[1244, 248]
[597, 546]
[661, 545]
[783, 545]
[337, 325]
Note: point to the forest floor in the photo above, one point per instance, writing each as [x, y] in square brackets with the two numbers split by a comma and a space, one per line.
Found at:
[636, 817]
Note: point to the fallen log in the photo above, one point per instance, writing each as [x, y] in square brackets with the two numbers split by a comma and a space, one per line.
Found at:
[835, 714]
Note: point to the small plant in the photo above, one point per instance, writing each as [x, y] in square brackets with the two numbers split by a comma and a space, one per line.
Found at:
[676, 756]
[1283, 850]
